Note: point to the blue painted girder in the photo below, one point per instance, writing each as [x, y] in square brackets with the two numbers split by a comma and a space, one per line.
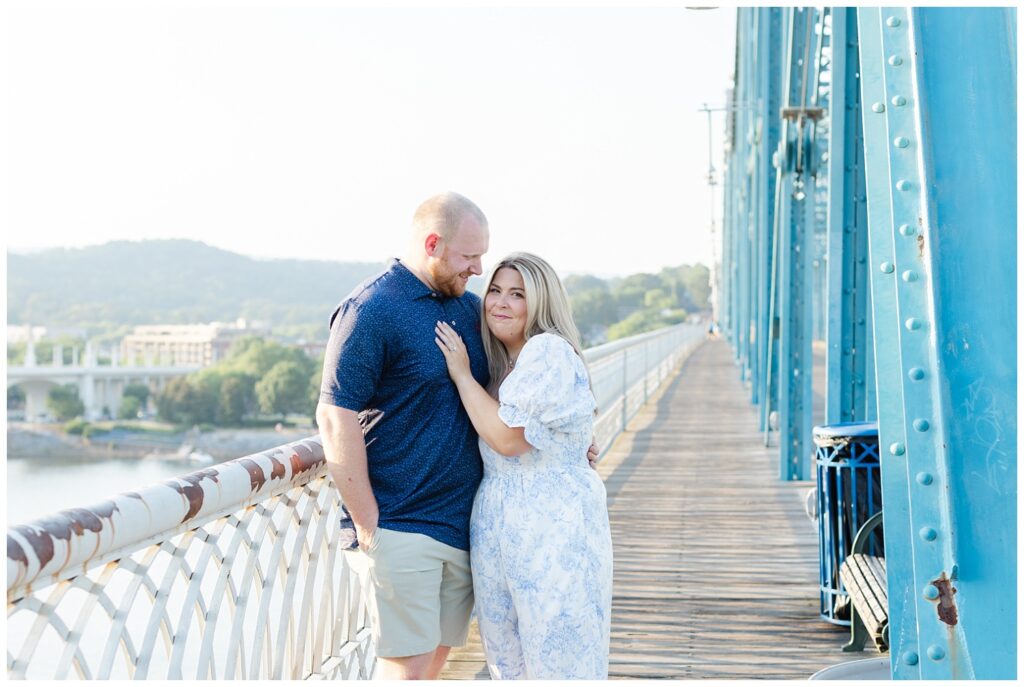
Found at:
[939, 88]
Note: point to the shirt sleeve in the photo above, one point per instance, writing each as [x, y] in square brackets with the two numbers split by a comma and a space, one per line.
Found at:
[354, 358]
[547, 393]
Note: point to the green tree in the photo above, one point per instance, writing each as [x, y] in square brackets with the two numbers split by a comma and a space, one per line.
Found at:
[76, 427]
[637, 323]
[593, 307]
[593, 311]
[241, 346]
[658, 299]
[256, 357]
[64, 403]
[15, 354]
[644, 321]
[44, 352]
[15, 398]
[690, 285]
[130, 407]
[315, 381]
[284, 389]
[225, 393]
[184, 402]
[170, 399]
[641, 281]
[698, 283]
[629, 298]
[138, 391]
[236, 398]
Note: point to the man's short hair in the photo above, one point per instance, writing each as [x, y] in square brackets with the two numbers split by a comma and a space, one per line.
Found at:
[441, 214]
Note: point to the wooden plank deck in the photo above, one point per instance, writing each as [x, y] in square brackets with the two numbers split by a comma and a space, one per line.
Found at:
[716, 571]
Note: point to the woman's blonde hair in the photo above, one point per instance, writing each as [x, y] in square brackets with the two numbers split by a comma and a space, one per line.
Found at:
[547, 310]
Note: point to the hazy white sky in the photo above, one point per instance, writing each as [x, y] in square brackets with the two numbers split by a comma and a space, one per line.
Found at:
[313, 132]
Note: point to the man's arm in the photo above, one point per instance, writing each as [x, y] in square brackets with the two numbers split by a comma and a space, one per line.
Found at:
[345, 451]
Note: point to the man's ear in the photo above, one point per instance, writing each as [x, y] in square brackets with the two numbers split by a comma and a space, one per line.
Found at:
[432, 244]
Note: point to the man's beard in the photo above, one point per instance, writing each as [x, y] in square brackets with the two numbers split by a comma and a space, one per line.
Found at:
[448, 282]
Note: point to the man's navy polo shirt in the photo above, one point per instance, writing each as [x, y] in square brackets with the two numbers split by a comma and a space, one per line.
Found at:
[382, 362]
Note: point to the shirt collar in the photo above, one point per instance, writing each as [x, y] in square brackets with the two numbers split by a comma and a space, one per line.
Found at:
[411, 284]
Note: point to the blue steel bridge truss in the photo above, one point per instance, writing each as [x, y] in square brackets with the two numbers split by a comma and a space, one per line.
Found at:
[870, 203]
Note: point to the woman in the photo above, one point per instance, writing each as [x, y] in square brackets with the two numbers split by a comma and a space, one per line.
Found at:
[540, 545]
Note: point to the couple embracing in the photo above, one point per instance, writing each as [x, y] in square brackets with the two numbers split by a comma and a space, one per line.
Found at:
[458, 432]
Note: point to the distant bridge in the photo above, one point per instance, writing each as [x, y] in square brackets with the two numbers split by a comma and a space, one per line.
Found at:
[99, 386]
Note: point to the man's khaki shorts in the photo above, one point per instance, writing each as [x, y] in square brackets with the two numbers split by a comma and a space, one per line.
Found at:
[418, 591]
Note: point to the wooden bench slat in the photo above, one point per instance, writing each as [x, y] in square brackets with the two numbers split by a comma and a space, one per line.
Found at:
[870, 575]
[864, 578]
[868, 610]
[867, 590]
[878, 568]
[871, 588]
[877, 578]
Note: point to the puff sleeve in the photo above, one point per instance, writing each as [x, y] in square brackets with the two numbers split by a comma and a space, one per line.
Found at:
[548, 393]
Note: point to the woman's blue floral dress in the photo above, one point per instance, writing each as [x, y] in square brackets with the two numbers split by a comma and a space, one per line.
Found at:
[540, 544]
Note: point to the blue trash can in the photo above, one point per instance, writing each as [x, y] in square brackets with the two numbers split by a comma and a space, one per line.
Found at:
[849, 492]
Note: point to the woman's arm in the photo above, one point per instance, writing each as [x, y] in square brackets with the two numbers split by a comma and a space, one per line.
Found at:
[480, 406]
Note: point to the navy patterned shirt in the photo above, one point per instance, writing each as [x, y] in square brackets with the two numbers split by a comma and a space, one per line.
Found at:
[382, 362]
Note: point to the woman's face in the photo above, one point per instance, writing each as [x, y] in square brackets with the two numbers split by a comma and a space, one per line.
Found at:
[505, 307]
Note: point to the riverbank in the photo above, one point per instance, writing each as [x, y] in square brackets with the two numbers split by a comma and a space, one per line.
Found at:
[46, 441]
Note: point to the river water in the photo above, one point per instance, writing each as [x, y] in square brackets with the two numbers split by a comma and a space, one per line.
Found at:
[39, 486]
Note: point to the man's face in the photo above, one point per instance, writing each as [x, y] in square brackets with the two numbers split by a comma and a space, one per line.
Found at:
[459, 258]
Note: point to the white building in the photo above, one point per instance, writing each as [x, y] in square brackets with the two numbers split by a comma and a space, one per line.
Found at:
[185, 344]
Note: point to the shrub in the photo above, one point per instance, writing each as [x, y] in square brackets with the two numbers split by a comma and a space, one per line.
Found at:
[76, 426]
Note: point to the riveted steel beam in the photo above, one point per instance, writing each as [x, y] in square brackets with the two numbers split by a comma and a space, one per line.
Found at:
[941, 222]
[849, 389]
[767, 130]
[796, 222]
[753, 132]
[886, 331]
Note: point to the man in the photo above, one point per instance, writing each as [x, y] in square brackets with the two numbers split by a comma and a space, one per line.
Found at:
[399, 445]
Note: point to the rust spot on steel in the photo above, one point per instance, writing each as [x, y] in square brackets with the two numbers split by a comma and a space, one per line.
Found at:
[191, 490]
[62, 525]
[278, 471]
[945, 605]
[257, 478]
[15, 552]
[42, 543]
[302, 463]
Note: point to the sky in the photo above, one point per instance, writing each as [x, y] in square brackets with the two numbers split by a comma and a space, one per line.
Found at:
[281, 131]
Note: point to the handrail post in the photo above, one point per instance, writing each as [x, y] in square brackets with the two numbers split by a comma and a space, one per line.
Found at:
[647, 370]
[625, 386]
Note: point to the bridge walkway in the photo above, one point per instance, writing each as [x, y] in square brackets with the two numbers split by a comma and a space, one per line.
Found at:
[716, 572]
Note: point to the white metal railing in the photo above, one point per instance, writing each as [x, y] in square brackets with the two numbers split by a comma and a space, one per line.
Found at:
[228, 572]
[623, 373]
[233, 572]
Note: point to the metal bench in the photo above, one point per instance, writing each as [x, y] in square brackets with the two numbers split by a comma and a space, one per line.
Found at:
[863, 577]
